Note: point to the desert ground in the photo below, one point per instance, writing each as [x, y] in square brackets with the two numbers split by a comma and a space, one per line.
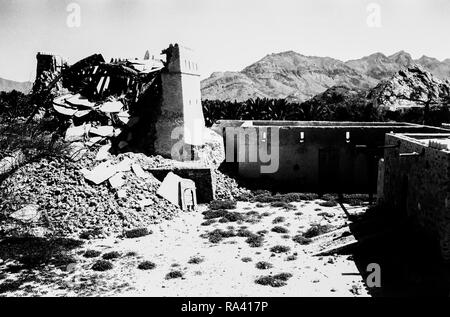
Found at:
[199, 253]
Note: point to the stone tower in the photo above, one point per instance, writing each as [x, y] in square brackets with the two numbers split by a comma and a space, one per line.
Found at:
[180, 126]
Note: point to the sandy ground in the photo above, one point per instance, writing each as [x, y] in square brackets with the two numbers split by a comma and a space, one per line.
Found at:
[222, 271]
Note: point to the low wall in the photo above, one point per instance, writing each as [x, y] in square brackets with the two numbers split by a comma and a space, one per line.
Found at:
[314, 156]
[417, 187]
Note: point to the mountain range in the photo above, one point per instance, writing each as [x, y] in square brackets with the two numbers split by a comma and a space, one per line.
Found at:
[297, 77]
[8, 85]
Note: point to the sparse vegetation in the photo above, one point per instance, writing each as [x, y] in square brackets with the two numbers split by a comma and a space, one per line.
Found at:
[102, 265]
[328, 203]
[282, 204]
[224, 215]
[263, 265]
[212, 214]
[90, 234]
[278, 280]
[255, 241]
[282, 276]
[218, 235]
[326, 214]
[196, 260]
[174, 274]
[291, 257]
[246, 259]
[222, 204]
[316, 230]
[280, 249]
[137, 233]
[208, 222]
[146, 265]
[244, 233]
[279, 229]
[278, 220]
[111, 255]
[301, 239]
[91, 254]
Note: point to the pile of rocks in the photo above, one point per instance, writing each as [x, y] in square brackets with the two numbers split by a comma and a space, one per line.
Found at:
[73, 205]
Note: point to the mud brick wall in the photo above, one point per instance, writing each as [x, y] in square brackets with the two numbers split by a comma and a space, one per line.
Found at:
[328, 158]
[203, 177]
[418, 187]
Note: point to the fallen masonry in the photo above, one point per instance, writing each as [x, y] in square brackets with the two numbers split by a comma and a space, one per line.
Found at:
[117, 119]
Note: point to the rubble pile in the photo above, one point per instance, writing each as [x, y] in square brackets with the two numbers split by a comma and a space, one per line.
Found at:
[228, 188]
[108, 193]
[72, 204]
[99, 100]
[101, 182]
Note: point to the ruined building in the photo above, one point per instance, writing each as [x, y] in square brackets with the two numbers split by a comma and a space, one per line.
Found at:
[147, 105]
[407, 165]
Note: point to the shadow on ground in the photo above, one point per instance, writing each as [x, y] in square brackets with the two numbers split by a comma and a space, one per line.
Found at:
[410, 262]
[23, 256]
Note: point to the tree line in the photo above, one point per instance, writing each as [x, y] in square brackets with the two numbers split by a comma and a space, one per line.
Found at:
[342, 108]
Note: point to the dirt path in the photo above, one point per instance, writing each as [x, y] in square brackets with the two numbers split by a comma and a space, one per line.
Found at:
[219, 269]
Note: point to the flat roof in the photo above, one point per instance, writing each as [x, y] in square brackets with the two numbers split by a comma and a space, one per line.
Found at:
[438, 141]
[327, 124]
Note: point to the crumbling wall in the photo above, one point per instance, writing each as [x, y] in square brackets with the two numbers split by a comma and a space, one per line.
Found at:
[417, 187]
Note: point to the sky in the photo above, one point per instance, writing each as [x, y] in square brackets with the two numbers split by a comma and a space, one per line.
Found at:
[227, 35]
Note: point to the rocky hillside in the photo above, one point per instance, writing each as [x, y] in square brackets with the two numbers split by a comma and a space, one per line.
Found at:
[411, 86]
[8, 85]
[298, 78]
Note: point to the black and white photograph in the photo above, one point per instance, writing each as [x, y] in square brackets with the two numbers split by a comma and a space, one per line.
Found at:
[224, 153]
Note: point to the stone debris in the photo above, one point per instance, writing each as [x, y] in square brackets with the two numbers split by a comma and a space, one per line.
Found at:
[26, 214]
[100, 173]
[77, 133]
[75, 204]
[97, 103]
[103, 153]
[124, 165]
[76, 151]
[105, 131]
[137, 169]
[121, 193]
[117, 180]
[111, 107]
